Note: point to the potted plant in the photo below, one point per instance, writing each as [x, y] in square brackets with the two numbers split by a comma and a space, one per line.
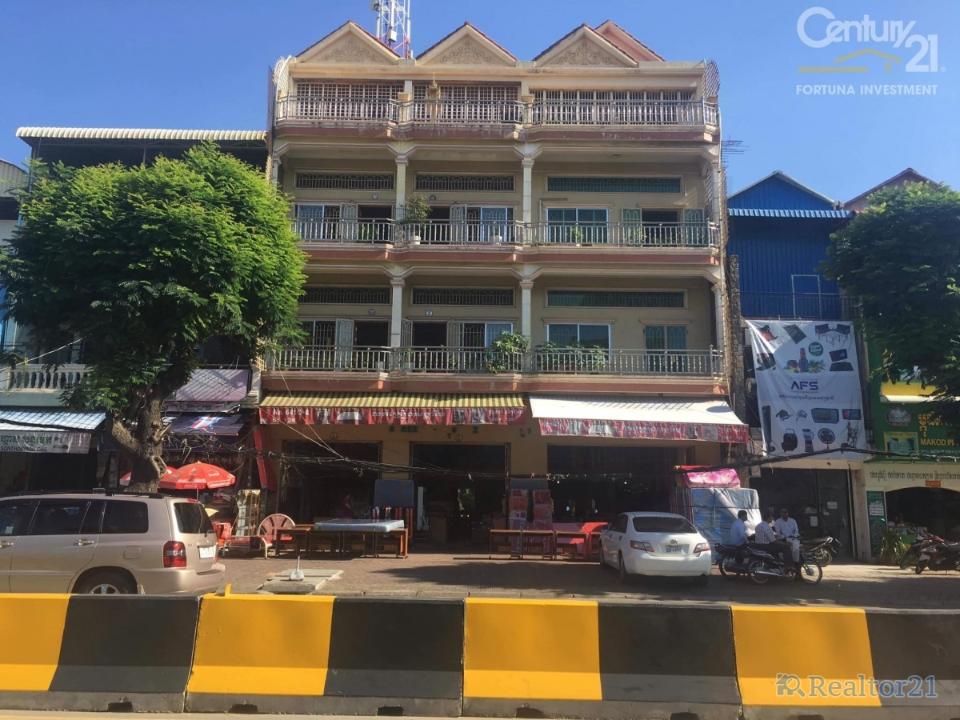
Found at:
[506, 353]
[415, 214]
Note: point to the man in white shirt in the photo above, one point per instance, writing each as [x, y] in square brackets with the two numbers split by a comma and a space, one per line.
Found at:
[787, 529]
[764, 533]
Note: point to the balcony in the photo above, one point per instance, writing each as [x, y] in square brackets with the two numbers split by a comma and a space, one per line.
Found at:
[796, 306]
[310, 111]
[485, 361]
[469, 234]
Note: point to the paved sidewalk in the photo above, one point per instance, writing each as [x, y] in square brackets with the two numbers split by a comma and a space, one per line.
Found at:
[462, 575]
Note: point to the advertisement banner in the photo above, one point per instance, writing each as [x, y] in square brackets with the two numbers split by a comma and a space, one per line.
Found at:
[57, 442]
[808, 385]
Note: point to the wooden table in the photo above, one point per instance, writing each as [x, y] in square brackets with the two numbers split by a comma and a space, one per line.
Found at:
[546, 538]
[573, 535]
[503, 533]
[307, 539]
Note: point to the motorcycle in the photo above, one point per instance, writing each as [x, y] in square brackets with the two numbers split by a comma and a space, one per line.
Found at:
[761, 565]
[823, 549]
[939, 556]
[912, 555]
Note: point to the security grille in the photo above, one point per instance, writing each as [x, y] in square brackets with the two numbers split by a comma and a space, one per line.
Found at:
[608, 96]
[456, 183]
[344, 181]
[346, 295]
[465, 93]
[614, 184]
[329, 91]
[615, 298]
[463, 296]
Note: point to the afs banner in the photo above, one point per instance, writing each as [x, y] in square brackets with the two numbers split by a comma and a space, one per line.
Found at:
[808, 385]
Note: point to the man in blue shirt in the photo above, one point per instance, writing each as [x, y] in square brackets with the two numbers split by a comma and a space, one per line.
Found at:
[738, 531]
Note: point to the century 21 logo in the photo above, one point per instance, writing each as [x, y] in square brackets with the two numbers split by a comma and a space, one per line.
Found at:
[818, 27]
[805, 386]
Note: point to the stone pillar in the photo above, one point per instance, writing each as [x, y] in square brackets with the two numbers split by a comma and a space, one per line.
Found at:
[861, 516]
[401, 185]
[526, 302]
[396, 311]
[527, 215]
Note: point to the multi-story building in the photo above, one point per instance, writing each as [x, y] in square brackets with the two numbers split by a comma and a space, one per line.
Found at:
[468, 197]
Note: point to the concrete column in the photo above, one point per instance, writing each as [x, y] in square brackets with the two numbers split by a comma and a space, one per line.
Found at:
[396, 311]
[527, 215]
[861, 516]
[718, 306]
[526, 302]
[401, 185]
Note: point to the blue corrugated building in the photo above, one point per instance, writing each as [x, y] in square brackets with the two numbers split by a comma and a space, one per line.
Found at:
[780, 229]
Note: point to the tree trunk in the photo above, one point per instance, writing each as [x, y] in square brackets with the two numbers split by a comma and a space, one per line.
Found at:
[143, 445]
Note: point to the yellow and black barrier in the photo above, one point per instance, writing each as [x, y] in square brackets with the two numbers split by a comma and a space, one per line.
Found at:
[500, 657]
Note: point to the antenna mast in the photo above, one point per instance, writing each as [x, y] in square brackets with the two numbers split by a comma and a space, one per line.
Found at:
[393, 25]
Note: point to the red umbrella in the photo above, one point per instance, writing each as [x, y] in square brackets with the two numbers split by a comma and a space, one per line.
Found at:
[198, 476]
[125, 479]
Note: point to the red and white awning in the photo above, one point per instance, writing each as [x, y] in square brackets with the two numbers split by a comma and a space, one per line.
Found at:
[703, 421]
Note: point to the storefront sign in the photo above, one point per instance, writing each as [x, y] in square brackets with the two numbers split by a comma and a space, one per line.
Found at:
[888, 476]
[391, 416]
[808, 385]
[911, 429]
[44, 441]
[638, 429]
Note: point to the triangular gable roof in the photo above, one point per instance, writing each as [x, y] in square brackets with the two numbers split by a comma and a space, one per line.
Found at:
[466, 46]
[779, 191]
[626, 42]
[584, 46]
[349, 43]
[902, 177]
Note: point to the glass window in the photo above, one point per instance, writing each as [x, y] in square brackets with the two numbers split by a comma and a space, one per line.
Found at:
[615, 298]
[665, 337]
[320, 333]
[15, 516]
[597, 336]
[495, 329]
[58, 517]
[191, 518]
[613, 184]
[91, 521]
[562, 334]
[620, 524]
[125, 517]
[662, 525]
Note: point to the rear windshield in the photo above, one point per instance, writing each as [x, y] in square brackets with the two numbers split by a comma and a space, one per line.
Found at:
[662, 525]
[191, 518]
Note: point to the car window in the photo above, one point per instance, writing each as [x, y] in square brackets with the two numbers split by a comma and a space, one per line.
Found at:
[15, 516]
[91, 521]
[125, 517]
[58, 517]
[191, 518]
[620, 524]
[662, 525]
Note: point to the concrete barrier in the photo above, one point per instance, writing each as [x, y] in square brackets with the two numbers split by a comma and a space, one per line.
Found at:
[98, 653]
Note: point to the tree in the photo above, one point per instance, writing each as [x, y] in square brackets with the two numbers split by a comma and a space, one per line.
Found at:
[900, 259]
[145, 264]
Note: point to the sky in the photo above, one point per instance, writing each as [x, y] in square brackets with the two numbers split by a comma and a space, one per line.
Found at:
[204, 64]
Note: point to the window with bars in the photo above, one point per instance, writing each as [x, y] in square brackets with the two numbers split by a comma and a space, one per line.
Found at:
[325, 295]
[501, 297]
[665, 337]
[349, 91]
[465, 93]
[320, 333]
[459, 183]
[614, 184]
[586, 335]
[344, 181]
[593, 96]
[616, 298]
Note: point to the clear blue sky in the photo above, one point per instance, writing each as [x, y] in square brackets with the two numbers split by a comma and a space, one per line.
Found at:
[203, 63]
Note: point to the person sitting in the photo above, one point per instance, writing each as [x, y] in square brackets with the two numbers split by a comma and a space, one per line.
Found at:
[738, 531]
[788, 531]
[765, 538]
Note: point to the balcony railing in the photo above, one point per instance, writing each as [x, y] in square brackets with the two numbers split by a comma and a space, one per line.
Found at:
[796, 306]
[542, 113]
[35, 377]
[459, 360]
[493, 233]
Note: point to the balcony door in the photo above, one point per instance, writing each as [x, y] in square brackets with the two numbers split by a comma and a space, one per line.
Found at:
[666, 345]
[577, 226]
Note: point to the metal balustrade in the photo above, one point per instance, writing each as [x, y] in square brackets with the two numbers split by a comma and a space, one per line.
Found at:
[541, 113]
[492, 233]
[38, 377]
[473, 360]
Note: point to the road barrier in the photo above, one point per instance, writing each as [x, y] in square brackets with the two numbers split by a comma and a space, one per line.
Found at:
[499, 657]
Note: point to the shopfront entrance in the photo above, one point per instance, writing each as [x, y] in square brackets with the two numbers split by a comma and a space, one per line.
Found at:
[819, 500]
[317, 485]
[459, 499]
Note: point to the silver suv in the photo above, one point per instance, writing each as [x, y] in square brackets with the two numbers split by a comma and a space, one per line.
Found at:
[105, 543]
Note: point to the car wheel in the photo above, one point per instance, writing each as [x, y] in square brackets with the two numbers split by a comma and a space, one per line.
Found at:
[106, 582]
[621, 568]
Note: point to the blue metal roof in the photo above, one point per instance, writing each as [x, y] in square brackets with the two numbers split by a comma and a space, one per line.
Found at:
[53, 418]
[779, 191]
[771, 213]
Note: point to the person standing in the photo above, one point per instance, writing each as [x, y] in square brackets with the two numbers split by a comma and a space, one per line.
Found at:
[788, 531]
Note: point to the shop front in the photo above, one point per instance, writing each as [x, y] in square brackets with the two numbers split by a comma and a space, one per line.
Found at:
[461, 456]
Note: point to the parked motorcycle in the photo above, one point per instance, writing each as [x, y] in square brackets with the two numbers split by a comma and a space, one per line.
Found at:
[761, 566]
[912, 555]
[939, 556]
[822, 549]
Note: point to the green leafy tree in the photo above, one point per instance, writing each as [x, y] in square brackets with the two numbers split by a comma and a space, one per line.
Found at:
[900, 259]
[145, 264]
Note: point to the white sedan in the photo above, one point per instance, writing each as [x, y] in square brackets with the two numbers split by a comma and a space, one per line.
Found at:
[650, 543]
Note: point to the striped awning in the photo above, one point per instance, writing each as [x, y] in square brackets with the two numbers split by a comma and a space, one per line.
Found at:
[308, 408]
[789, 213]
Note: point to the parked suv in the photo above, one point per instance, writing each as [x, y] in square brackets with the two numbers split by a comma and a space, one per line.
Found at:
[104, 544]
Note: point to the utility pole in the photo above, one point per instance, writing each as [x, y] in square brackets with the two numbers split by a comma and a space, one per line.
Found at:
[393, 25]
